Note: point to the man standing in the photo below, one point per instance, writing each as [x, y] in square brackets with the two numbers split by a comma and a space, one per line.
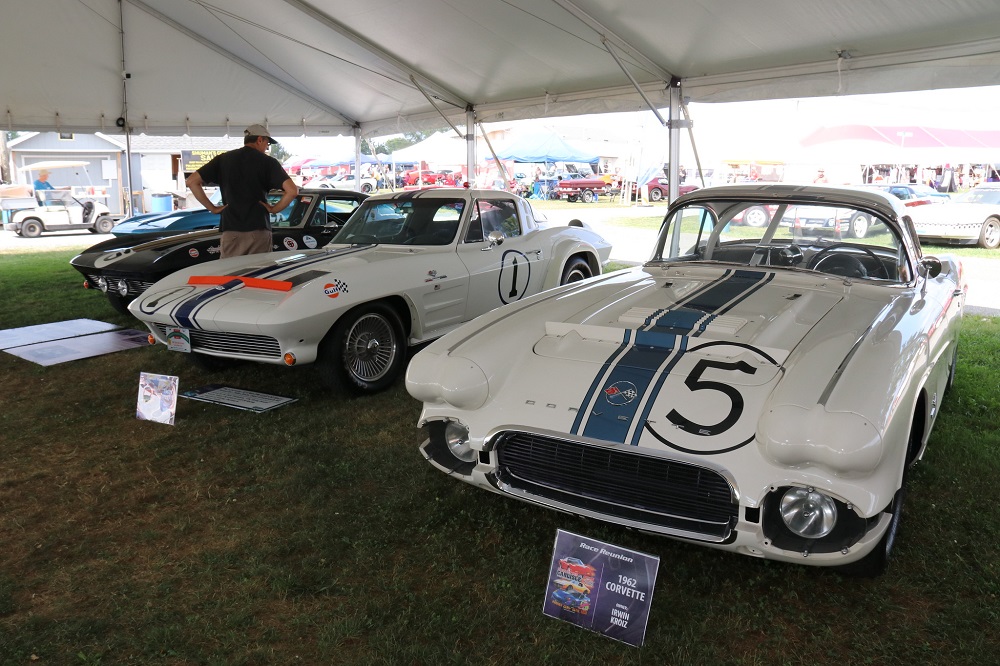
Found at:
[245, 176]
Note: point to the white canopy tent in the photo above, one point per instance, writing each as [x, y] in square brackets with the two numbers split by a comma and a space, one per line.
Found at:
[329, 67]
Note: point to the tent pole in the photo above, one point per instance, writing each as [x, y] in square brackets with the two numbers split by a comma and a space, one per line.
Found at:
[123, 121]
[675, 138]
[470, 144]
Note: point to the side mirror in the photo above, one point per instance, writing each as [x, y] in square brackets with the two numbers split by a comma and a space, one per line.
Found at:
[930, 267]
[495, 238]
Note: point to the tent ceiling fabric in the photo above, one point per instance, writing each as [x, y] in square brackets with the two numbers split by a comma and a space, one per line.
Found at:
[329, 67]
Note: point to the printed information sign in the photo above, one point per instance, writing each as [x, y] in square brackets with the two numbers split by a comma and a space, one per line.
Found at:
[228, 396]
[157, 398]
[601, 587]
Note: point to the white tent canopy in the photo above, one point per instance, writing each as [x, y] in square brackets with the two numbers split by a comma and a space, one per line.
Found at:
[329, 67]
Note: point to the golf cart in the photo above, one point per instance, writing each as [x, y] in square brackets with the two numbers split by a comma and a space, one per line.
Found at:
[61, 209]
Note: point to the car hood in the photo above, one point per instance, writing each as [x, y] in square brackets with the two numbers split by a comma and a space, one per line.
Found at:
[640, 356]
[273, 287]
[158, 222]
[135, 251]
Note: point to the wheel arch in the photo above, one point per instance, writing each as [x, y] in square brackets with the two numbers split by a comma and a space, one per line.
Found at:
[553, 276]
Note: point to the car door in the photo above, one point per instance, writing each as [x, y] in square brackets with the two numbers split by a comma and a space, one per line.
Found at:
[505, 272]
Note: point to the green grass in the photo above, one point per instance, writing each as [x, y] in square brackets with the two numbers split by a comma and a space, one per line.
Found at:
[317, 534]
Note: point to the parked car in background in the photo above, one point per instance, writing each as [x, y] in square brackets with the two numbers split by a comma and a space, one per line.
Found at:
[344, 182]
[761, 391]
[171, 222]
[124, 267]
[914, 194]
[971, 218]
[582, 188]
[658, 189]
[62, 212]
[406, 268]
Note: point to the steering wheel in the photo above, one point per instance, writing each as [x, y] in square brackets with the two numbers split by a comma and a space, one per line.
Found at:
[825, 255]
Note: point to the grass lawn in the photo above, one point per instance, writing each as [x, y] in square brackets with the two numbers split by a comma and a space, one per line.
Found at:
[317, 534]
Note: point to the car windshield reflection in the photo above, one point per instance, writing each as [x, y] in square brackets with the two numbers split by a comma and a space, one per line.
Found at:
[432, 221]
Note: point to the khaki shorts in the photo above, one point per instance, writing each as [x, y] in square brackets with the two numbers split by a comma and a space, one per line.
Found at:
[238, 243]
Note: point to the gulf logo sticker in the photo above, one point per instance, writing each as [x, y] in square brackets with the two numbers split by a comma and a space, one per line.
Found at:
[193, 252]
[334, 289]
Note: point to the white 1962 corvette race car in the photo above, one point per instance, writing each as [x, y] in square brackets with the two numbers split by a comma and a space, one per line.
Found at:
[760, 390]
[404, 269]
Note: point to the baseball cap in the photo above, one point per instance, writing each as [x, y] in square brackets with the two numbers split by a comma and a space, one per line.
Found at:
[259, 130]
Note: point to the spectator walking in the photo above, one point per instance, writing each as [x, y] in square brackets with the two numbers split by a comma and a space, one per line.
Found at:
[245, 176]
[820, 177]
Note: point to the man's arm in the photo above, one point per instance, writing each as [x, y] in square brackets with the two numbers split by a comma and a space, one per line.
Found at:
[196, 185]
[290, 189]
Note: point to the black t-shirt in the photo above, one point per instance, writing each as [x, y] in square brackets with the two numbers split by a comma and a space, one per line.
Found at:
[245, 175]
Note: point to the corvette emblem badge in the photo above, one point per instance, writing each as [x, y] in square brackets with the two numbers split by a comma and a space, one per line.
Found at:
[621, 393]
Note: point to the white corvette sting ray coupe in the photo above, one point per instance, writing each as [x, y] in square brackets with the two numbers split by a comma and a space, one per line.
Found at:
[404, 269]
[761, 390]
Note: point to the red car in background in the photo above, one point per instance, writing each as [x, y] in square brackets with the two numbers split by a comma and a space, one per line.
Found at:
[659, 188]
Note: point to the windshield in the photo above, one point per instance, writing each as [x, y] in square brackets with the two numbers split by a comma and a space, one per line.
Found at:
[830, 239]
[980, 195]
[432, 221]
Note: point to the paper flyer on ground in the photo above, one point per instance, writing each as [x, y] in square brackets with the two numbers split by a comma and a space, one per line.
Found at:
[601, 587]
[157, 398]
[238, 398]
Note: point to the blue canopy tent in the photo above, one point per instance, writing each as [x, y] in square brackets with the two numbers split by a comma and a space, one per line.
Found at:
[544, 148]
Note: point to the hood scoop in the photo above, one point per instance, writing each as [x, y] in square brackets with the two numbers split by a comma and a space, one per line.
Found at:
[682, 321]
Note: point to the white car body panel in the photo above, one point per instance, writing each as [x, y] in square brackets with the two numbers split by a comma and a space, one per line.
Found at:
[785, 377]
[439, 286]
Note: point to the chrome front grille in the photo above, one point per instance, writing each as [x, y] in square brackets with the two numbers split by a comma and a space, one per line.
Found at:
[664, 495]
[243, 344]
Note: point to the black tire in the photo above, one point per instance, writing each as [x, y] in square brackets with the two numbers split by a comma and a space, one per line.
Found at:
[875, 563]
[31, 228]
[588, 196]
[365, 351]
[756, 216]
[576, 269]
[104, 224]
[859, 225]
[989, 235]
[366, 188]
[655, 194]
[571, 198]
[120, 304]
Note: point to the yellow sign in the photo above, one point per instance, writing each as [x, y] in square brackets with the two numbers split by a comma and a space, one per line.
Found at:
[192, 160]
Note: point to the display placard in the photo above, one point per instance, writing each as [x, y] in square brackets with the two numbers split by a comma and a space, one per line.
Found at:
[602, 587]
[157, 398]
[192, 160]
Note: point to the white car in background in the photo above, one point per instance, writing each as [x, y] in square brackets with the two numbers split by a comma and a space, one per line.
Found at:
[971, 218]
[758, 390]
[404, 269]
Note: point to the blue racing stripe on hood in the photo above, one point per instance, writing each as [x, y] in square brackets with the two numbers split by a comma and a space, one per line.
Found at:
[615, 410]
[183, 313]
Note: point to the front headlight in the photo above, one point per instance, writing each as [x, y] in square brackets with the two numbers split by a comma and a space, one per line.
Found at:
[102, 283]
[808, 513]
[456, 436]
[123, 288]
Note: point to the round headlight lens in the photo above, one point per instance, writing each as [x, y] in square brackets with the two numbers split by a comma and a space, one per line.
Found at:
[123, 287]
[456, 436]
[102, 283]
[808, 513]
